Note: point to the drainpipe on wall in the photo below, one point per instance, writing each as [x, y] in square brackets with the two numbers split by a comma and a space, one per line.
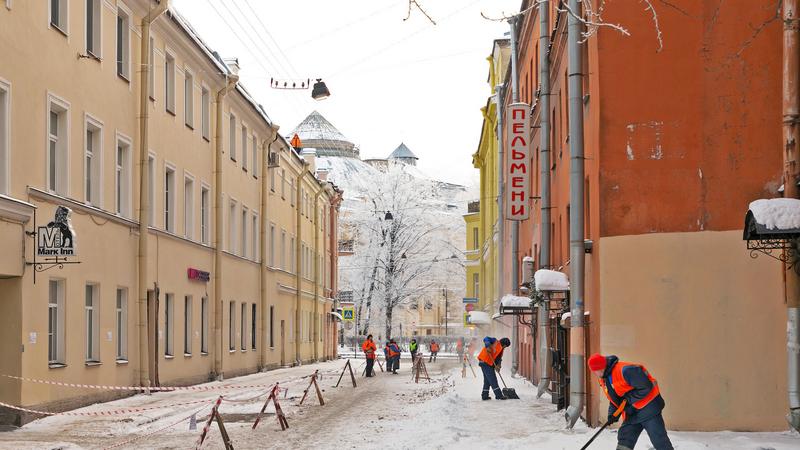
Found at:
[791, 176]
[297, 262]
[515, 223]
[576, 183]
[231, 80]
[144, 191]
[544, 172]
[265, 151]
[316, 273]
[500, 195]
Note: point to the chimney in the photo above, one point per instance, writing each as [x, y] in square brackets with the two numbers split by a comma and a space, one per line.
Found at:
[233, 64]
[310, 155]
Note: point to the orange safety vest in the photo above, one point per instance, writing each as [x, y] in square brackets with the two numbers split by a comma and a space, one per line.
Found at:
[489, 355]
[434, 347]
[621, 387]
[390, 353]
[369, 349]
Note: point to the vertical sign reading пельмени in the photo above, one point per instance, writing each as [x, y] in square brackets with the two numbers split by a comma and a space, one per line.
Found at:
[518, 161]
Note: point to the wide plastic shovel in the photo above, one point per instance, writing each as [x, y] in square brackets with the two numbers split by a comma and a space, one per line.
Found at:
[507, 391]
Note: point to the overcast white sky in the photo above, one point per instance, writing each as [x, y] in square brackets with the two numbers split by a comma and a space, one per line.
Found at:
[391, 80]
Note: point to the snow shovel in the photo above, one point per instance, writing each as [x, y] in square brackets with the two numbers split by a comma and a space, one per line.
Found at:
[507, 391]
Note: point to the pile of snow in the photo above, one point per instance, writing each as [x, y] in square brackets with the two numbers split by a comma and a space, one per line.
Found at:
[777, 213]
[479, 318]
[513, 301]
[551, 280]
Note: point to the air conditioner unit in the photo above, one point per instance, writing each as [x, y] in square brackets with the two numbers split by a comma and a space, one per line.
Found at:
[273, 160]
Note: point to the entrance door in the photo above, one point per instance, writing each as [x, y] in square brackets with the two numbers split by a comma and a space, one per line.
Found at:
[283, 343]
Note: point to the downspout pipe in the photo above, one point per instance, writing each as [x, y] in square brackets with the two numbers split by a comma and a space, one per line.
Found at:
[231, 80]
[145, 377]
[576, 181]
[501, 228]
[265, 151]
[316, 273]
[297, 261]
[515, 223]
[791, 175]
[544, 172]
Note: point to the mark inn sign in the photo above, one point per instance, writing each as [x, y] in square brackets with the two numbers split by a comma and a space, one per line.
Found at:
[57, 238]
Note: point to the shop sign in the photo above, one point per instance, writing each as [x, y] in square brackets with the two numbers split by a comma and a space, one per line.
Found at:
[57, 238]
[198, 275]
[518, 161]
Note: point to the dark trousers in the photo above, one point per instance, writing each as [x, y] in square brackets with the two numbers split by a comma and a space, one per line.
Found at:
[629, 433]
[370, 363]
[433, 356]
[489, 381]
[395, 363]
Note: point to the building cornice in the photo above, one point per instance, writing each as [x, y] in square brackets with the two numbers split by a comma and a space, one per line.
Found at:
[14, 210]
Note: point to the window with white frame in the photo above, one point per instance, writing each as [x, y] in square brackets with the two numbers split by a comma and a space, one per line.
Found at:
[123, 44]
[232, 227]
[187, 325]
[205, 111]
[255, 156]
[188, 98]
[122, 177]
[151, 73]
[204, 215]
[204, 325]
[93, 18]
[271, 174]
[122, 324]
[243, 224]
[475, 284]
[169, 83]
[232, 326]
[5, 114]
[244, 148]
[283, 249]
[254, 228]
[272, 245]
[57, 146]
[232, 137]
[92, 168]
[151, 195]
[253, 326]
[59, 15]
[92, 326]
[55, 322]
[169, 324]
[188, 207]
[169, 199]
[292, 255]
[283, 184]
[243, 328]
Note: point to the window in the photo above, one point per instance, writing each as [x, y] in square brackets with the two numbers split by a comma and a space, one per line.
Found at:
[475, 242]
[169, 83]
[272, 180]
[188, 99]
[254, 253]
[231, 326]
[92, 330]
[92, 163]
[243, 328]
[244, 148]
[205, 111]
[291, 191]
[243, 224]
[169, 199]
[187, 325]
[232, 137]
[271, 326]
[122, 324]
[188, 208]
[272, 245]
[93, 18]
[123, 44]
[255, 157]
[151, 73]
[283, 249]
[232, 227]
[59, 14]
[204, 325]
[283, 184]
[169, 324]
[5, 114]
[122, 178]
[475, 284]
[58, 147]
[291, 256]
[151, 175]
[253, 326]
[55, 322]
[204, 215]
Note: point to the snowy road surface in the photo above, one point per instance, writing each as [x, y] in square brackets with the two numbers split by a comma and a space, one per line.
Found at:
[387, 412]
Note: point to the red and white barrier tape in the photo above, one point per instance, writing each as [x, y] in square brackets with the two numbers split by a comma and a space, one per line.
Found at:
[139, 388]
[120, 444]
[112, 412]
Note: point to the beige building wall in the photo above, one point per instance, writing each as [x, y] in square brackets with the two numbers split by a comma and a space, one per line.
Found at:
[702, 318]
[88, 93]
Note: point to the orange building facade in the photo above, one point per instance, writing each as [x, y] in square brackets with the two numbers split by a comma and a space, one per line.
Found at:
[679, 139]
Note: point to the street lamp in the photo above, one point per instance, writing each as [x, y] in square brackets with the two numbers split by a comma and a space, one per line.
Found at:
[388, 216]
[320, 91]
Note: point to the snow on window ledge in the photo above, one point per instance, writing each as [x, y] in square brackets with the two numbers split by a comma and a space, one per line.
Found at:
[551, 280]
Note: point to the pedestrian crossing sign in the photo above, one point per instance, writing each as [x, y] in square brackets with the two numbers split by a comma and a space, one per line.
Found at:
[347, 313]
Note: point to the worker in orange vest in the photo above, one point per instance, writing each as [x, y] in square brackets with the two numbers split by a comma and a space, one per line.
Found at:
[633, 394]
[369, 348]
[434, 351]
[490, 358]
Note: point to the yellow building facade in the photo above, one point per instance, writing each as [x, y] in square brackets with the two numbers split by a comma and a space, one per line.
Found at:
[233, 270]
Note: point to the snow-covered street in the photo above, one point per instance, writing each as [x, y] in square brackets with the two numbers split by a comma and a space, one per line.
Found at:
[388, 411]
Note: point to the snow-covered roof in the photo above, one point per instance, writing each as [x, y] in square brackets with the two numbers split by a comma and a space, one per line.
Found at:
[514, 301]
[402, 152]
[315, 131]
[479, 318]
[777, 213]
[551, 280]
